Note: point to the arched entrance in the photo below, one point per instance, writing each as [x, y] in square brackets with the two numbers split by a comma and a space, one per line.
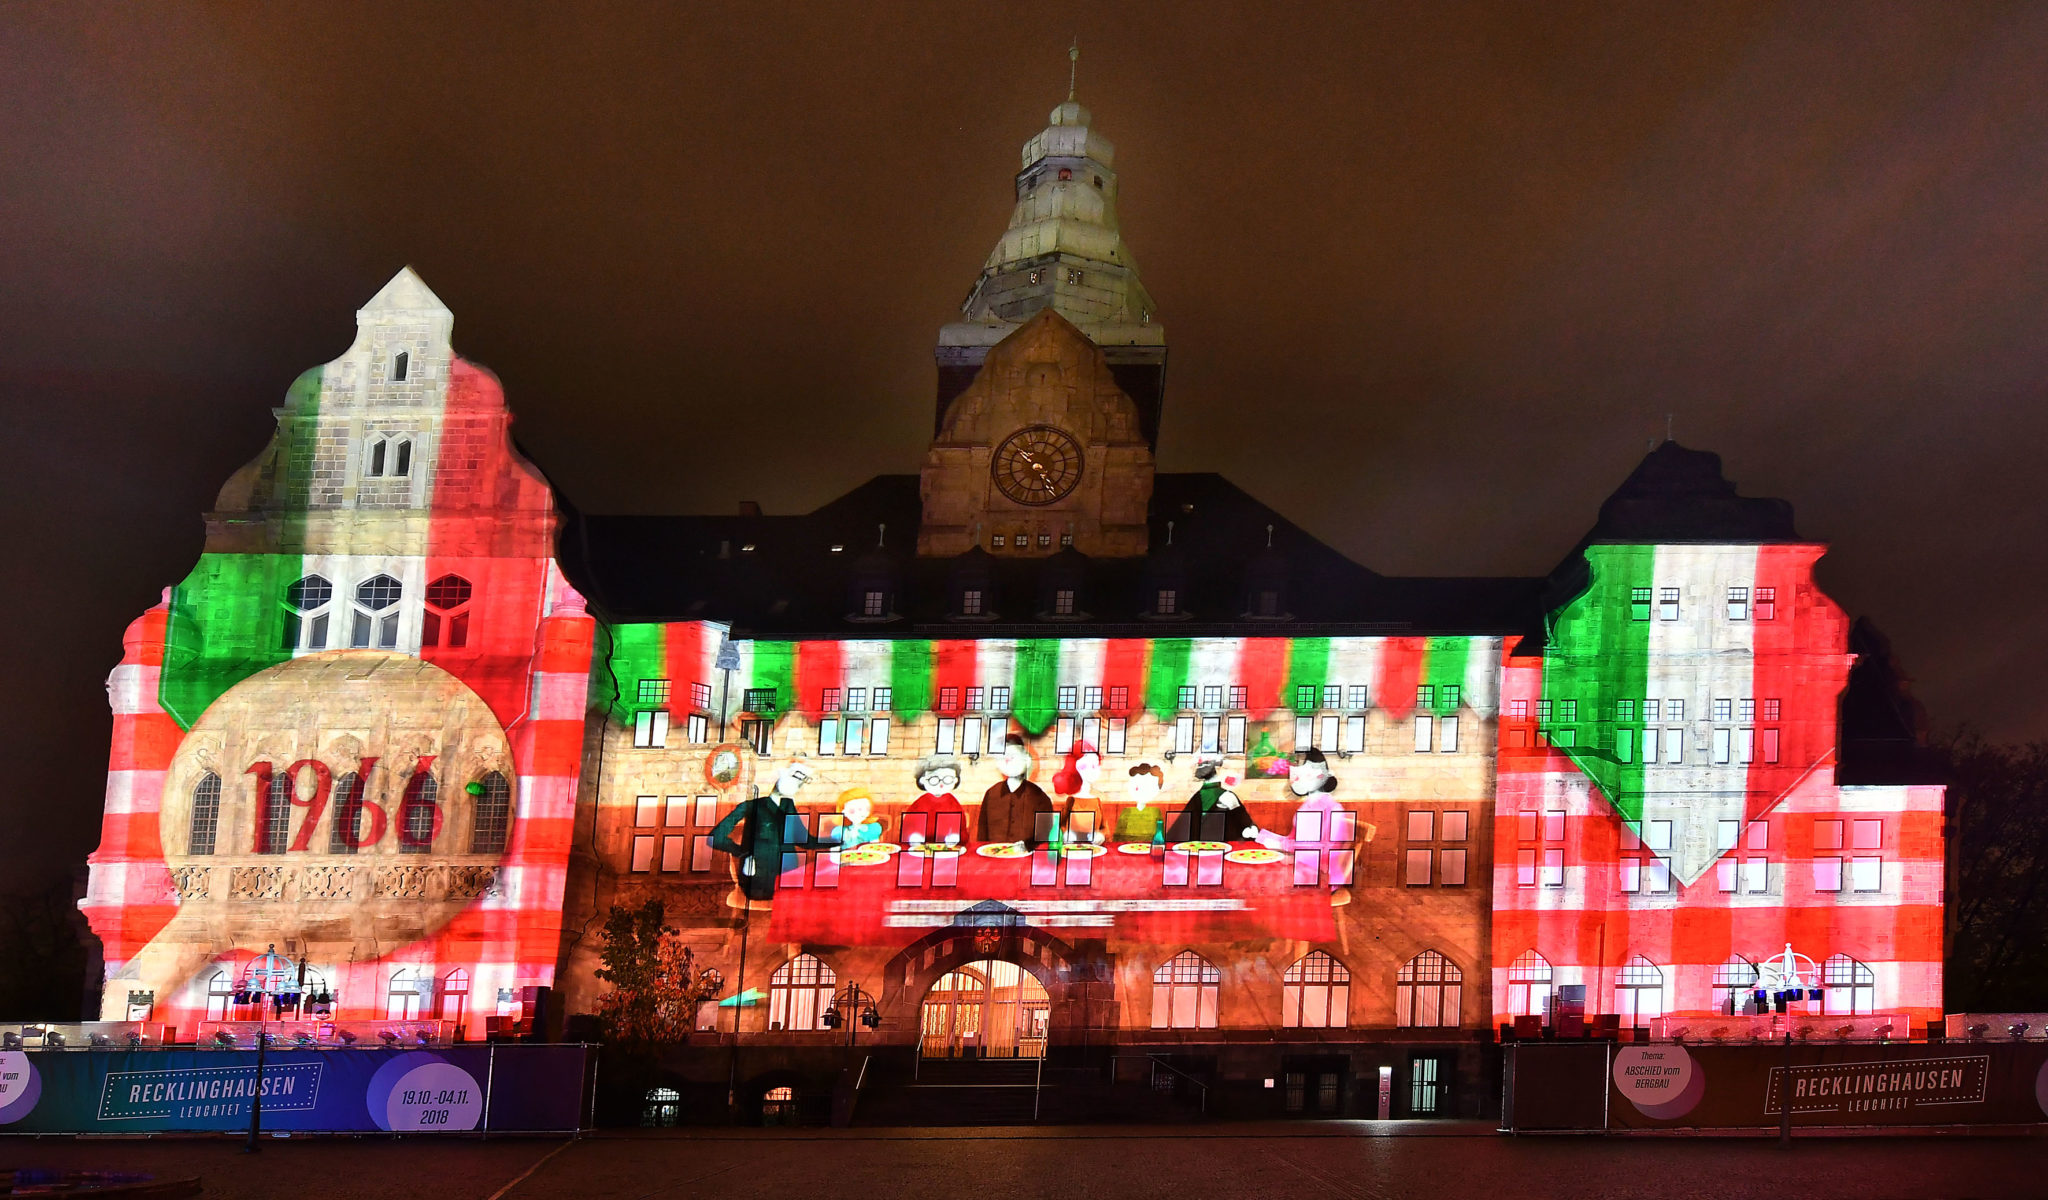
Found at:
[988, 1008]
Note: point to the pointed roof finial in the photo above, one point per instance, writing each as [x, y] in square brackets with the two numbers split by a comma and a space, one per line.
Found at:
[1073, 64]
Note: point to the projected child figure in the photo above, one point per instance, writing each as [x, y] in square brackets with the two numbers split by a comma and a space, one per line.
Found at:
[1141, 821]
[856, 804]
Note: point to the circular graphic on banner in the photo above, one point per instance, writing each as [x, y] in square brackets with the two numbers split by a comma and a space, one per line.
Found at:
[20, 1086]
[423, 1093]
[1662, 1081]
[2040, 1091]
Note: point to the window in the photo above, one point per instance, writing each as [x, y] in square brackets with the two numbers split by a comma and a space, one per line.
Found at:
[419, 815]
[1184, 992]
[760, 701]
[1447, 735]
[829, 700]
[1184, 735]
[1756, 876]
[1425, 696]
[1851, 987]
[828, 736]
[1638, 992]
[1451, 864]
[1305, 697]
[1091, 699]
[1518, 710]
[1415, 871]
[1422, 734]
[653, 692]
[885, 699]
[1120, 699]
[970, 602]
[1315, 993]
[1212, 697]
[1525, 868]
[949, 699]
[1674, 710]
[1422, 826]
[401, 366]
[346, 829]
[873, 603]
[1667, 604]
[446, 621]
[998, 541]
[1767, 604]
[273, 832]
[1827, 835]
[1358, 698]
[205, 814]
[1553, 868]
[1869, 834]
[1063, 602]
[1044, 541]
[1738, 604]
[1639, 604]
[1455, 823]
[1866, 874]
[700, 695]
[493, 816]
[1770, 710]
[220, 996]
[1827, 874]
[650, 729]
[305, 617]
[376, 614]
[1733, 981]
[402, 996]
[1166, 602]
[1724, 710]
[388, 457]
[1427, 992]
[455, 995]
[799, 993]
[1529, 985]
[1186, 698]
[697, 728]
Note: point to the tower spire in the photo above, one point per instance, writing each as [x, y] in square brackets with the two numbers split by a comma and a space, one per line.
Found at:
[1073, 64]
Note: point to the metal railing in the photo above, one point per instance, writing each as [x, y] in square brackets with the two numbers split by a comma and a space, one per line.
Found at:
[1174, 1077]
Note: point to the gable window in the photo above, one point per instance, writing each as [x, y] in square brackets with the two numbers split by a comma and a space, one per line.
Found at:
[493, 816]
[205, 815]
[1428, 992]
[1315, 993]
[446, 621]
[305, 617]
[376, 614]
[388, 457]
[1184, 992]
[799, 993]
[346, 830]
[401, 366]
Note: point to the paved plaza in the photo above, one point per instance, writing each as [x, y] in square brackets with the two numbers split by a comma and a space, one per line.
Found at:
[1336, 1159]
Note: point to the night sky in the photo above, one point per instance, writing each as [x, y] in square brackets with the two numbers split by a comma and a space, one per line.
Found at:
[1433, 276]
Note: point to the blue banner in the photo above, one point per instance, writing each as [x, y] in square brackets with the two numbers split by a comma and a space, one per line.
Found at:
[449, 1090]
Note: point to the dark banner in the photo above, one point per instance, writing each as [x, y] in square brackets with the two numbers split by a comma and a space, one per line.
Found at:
[1666, 1085]
[458, 1088]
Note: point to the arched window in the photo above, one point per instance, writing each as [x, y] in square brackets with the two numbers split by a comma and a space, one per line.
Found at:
[220, 996]
[1851, 987]
[401, 457]
[446, 622]
[1184, 992]
[376, 617]
[419, 818]
[1638, 992]
[205, 814]
[305, 613]
[402, 998]
[455, 996]
[274, 818]
[1529, 985]
[401, 366]
[662, 1108]
[1428, 992]
[1734, 980]
[1315, 993]
[799, 993]
[493, 815]
[347, 827]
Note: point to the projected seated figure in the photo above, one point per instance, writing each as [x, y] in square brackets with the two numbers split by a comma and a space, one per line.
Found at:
[1327, 838]
[1141, 822]
[1075, 780]
[856, 804]
[1213, 813]
[1011, 807]
[936, 815]
[760, 832]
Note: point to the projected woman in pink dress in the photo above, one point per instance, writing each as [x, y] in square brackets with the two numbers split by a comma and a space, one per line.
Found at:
[1326, 836]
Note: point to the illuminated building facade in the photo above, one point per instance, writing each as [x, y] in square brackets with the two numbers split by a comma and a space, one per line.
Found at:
[1048, 752]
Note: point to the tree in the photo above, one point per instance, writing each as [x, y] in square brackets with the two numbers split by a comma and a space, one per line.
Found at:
[1998, 881]
[655, 984]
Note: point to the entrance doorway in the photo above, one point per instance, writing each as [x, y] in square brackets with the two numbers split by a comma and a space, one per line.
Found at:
[989, 1008]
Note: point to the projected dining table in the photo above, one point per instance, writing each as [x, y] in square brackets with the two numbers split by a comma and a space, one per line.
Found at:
[1195, 891]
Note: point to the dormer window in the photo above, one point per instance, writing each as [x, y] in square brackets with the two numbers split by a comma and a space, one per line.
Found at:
[998, 541]
[1063, 602]
[1166, 602]
[873, 604]
[1045, 541]
[401, 366]
[970, 602]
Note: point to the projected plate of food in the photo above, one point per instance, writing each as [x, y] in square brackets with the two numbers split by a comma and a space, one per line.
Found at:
[1203, 847]
[1254, 855]
[1003, 850]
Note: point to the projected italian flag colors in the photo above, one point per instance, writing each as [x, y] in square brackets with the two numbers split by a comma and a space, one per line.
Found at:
[1695, 683]
[1150, 674]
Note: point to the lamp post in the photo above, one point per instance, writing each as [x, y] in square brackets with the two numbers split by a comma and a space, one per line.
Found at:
[1786, 982]
[852, 1007]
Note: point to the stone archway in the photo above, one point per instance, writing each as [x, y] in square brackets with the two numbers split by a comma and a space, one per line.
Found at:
[988, 1008]
[985, 932]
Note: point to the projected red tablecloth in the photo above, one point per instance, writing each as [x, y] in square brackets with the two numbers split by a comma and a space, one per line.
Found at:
[1165, 897]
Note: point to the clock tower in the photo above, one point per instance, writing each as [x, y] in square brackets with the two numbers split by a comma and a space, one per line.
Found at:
[1042, 451]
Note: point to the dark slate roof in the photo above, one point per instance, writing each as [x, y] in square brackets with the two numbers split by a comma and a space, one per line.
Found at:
[1680, 495]
[792, 583]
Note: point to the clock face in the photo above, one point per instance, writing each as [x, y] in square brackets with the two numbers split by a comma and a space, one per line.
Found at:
[1038, 464]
